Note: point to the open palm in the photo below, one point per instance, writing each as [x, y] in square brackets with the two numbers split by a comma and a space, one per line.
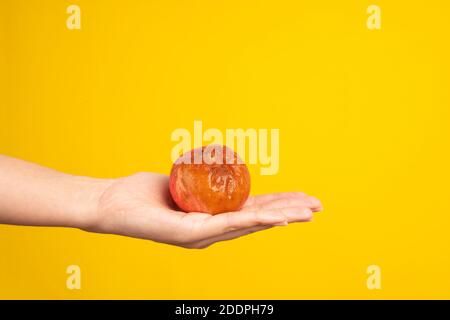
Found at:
[140, 206]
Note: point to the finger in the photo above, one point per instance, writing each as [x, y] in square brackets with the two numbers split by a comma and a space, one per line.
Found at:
[202, 226]
[316, 204]
[284, 199]
[294, 214]
[283, 203]
[260, 200]
[227, 236]
[231, 221]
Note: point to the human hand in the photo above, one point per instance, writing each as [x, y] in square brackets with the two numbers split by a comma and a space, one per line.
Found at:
[140, 206]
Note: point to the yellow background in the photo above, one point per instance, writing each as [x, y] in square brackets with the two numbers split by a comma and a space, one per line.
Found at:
[363, 118]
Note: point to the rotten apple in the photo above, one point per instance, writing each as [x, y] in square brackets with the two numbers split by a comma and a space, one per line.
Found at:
[211, 179]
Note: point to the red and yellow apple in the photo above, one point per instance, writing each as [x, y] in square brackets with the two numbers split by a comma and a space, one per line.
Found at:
[211, 179]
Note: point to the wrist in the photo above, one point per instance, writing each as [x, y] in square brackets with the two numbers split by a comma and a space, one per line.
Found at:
[84, 213]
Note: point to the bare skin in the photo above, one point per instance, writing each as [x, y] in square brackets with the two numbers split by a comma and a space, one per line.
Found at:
[137, 206]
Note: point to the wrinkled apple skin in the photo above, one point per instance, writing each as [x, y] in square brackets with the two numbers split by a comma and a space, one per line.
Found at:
[213, 187]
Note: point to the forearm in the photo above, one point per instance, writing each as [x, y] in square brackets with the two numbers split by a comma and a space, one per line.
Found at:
[33, 195]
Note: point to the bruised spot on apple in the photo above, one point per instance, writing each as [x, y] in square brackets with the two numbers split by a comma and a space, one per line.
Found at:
[211, 179]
